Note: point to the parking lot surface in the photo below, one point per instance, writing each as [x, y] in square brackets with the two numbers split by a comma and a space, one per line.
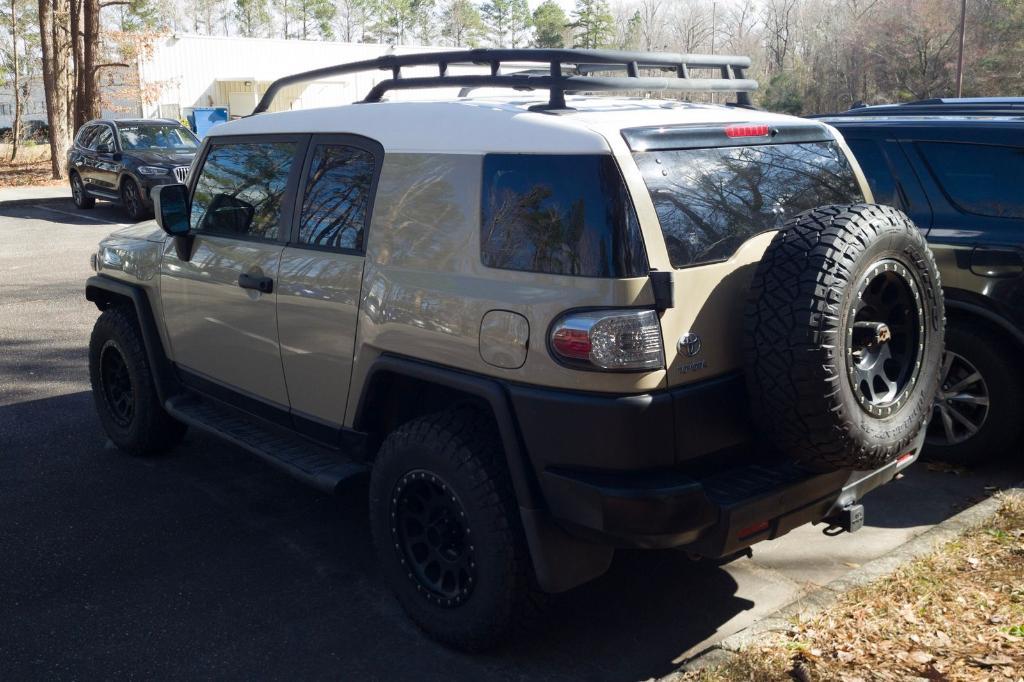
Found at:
[205, 562]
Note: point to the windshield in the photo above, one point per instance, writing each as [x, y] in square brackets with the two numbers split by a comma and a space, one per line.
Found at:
[155, 136]
[710, 201]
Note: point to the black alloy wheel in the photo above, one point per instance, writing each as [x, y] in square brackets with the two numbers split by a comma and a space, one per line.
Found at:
[433, 541]
[116, 384]
[131, 197]
[78, 193]
[962, 403]
[884, 338]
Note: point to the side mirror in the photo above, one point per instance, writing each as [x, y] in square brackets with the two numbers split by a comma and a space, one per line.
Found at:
[170, 206]
[172, 211]
[103, 148]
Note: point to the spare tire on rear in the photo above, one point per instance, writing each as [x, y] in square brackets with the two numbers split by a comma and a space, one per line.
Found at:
[844, 337]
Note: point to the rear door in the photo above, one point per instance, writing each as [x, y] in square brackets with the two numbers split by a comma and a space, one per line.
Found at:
[220, 305]
[720, 194]
[320, 276]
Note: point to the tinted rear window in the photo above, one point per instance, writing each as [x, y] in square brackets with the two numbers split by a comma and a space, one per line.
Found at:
[559, 214]
[980, 179]
[710, 201]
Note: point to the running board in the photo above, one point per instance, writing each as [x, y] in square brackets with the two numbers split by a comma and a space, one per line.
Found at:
[310, 463]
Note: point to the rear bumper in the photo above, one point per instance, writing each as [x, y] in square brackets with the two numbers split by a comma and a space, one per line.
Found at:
[675, 469]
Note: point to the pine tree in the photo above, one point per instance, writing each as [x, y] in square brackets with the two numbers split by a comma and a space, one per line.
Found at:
[550, 21]
[252, 18]
[461, 23]
[592, 23]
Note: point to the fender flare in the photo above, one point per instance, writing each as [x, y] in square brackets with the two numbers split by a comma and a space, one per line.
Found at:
[561, 561]
[105, 292]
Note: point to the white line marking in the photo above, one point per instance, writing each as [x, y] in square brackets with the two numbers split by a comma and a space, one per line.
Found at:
[83, 217]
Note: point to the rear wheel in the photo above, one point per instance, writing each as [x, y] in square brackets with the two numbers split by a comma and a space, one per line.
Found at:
[123, 388]
[844, 335]
[78, 194]
[977, 406]
[446, 528]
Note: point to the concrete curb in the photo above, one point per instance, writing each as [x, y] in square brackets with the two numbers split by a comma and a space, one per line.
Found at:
[816, 601]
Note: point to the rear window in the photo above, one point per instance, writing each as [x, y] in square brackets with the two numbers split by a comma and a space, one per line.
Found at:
[559, 214]
[980, 179]
[710, 201]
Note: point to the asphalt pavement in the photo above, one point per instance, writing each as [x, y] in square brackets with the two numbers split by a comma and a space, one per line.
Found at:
[206, 563]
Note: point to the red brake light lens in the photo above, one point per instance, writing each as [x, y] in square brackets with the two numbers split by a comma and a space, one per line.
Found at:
[747, 131]
[571, 343]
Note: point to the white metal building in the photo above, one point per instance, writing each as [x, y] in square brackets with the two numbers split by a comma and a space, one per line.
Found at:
[187, 71]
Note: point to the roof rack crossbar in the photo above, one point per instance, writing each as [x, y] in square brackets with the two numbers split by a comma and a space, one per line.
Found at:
[582, 63]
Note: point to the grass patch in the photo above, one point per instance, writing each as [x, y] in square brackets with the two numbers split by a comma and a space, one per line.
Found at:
[957, 614]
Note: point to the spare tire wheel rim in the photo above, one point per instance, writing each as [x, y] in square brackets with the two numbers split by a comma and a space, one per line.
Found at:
[885, 338]
[432, 538]
[961, 403]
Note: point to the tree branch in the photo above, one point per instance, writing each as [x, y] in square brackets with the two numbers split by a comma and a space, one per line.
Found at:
[110, 3]
[119, 65]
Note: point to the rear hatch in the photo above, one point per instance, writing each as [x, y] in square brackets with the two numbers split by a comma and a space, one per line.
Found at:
[720, 193]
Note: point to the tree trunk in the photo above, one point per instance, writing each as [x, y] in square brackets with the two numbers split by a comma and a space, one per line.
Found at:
[16, 125]
[75, 76]
[55, 44]
[87, 105]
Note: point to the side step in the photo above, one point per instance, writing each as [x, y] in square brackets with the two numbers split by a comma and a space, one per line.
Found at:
[312, 464]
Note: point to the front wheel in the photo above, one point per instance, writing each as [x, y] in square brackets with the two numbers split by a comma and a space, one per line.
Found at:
[123, 388]
[446, 529]
[131, 197]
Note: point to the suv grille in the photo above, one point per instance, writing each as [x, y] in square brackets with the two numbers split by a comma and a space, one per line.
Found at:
[181, 174]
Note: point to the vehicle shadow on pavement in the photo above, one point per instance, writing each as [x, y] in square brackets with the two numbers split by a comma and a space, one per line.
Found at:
[204, 562]
[64, 212]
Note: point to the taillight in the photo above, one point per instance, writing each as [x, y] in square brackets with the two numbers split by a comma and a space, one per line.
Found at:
[747, 131]
[609, 340]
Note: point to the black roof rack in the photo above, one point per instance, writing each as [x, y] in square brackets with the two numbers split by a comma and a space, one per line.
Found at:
[582, 63]
[969, 106]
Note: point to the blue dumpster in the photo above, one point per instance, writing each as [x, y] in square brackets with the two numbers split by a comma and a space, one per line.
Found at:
[204, 118]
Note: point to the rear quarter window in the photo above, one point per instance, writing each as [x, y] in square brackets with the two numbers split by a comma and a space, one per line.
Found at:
[559, 214]
[710, 201]
[979, 179]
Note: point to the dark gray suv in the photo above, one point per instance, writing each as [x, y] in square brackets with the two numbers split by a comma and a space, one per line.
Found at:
[123, 160]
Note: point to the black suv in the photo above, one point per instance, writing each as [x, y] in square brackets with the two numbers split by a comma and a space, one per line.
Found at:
[959, 177]
[123, 160]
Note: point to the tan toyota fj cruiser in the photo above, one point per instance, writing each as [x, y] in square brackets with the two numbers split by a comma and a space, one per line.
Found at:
[548, 327]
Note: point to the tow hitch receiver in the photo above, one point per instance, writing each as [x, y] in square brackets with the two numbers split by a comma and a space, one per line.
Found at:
[849, 519]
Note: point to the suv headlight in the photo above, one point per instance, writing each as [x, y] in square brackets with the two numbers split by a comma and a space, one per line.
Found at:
[152, 170]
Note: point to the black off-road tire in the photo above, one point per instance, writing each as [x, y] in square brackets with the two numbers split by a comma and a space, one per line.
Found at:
[456, 451]
[800, 365]
[1001, 383]
[78, 194]
[143, 427]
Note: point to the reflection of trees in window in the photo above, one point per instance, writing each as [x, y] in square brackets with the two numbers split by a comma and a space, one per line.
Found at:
[979, 179]
[256, 173]
[564, 215]
[337, 193]
[709, 201]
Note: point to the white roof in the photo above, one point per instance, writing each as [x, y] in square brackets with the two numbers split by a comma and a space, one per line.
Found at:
[500, 124]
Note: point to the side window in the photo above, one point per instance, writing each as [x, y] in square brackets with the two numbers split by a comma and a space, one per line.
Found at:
[85, 136]
[103, 136]
[559, 214]
[875, 166]
[977, 178]
[241, 187]
[337, 196]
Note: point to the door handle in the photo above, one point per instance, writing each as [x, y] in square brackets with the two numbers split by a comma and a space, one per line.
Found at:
[264, 285]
